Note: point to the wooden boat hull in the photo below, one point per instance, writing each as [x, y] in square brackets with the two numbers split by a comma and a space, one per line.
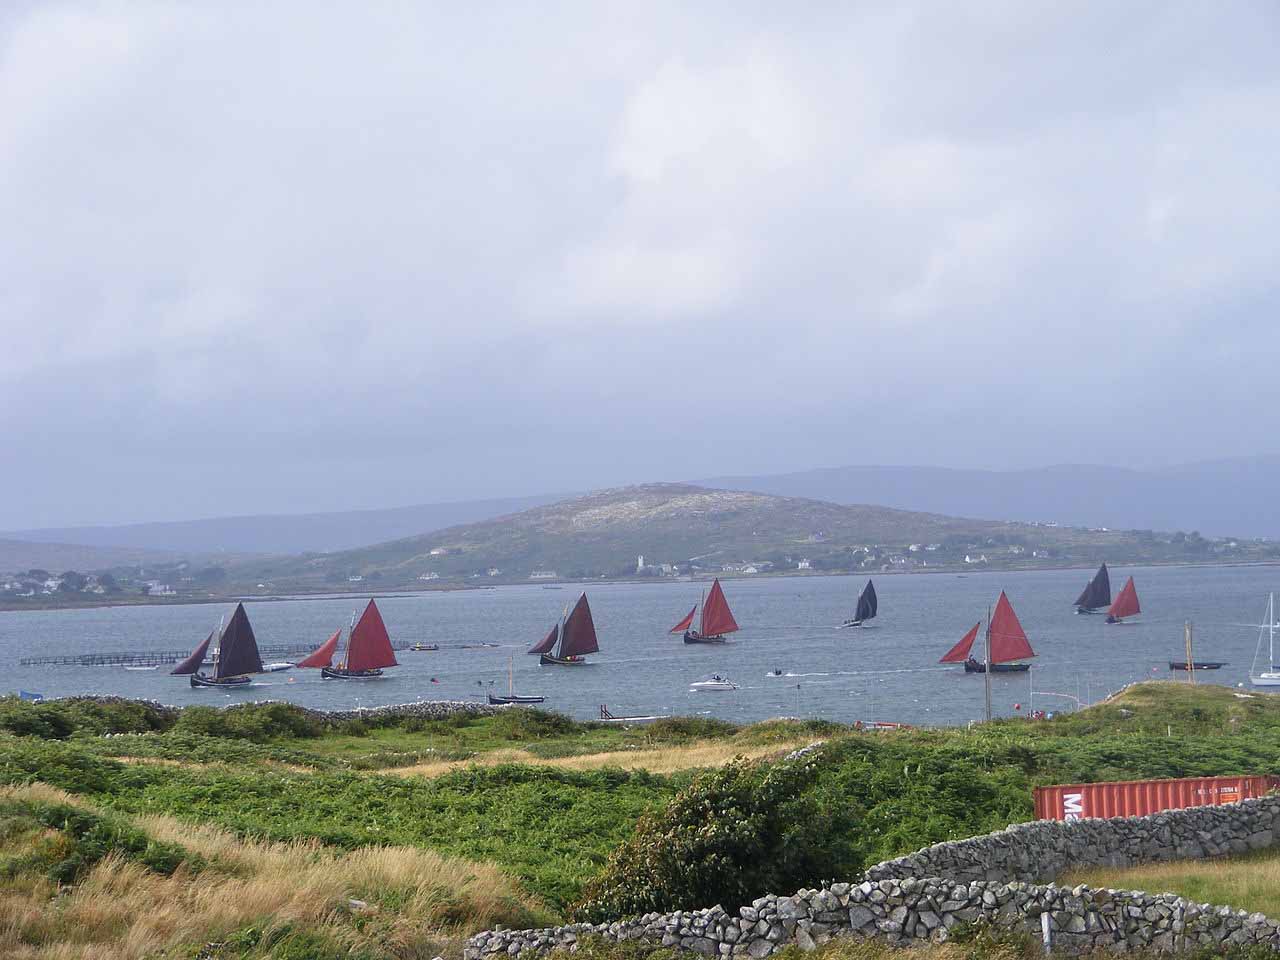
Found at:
[1088, 611]
[972, 667]
[551, 660]
[693, 636]
[200, 680]
[851, 623]
[1197, 664]
[498, 701]
[338, 673]
[1116, 620]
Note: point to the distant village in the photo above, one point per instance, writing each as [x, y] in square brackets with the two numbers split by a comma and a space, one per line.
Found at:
[447, 566]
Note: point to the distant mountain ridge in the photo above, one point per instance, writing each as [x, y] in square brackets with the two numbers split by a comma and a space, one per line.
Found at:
[283, 533]
[17, 556]
[692, 529]
[1217, 498]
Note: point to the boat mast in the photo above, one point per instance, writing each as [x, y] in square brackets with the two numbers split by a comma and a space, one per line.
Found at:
[350, 629]
[986, 673]
[511, 667]
[1271, 630]
[702, 616]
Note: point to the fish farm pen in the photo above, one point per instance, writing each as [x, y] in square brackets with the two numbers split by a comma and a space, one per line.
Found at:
[155, 658]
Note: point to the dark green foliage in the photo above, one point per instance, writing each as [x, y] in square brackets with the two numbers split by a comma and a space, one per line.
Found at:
[529, 725]
[733, 834]
[59, 719]
[258, 722]
[686, 729]
[85, 838]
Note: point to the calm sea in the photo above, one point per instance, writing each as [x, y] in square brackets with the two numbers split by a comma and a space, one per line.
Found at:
[885, 672]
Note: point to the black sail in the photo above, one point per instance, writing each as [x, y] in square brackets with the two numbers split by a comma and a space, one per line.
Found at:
[238, 648]
[867, 603]
[193, 663]
[579, 634]
[1098, 593]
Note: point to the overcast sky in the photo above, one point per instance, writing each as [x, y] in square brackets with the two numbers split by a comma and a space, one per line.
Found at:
[298, 256]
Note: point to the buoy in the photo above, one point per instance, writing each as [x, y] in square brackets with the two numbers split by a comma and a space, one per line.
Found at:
[1017, 706]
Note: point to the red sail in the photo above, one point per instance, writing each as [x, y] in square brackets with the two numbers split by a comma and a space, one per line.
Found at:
[193, 662]
[1008, 640]
[684, 624]
[579, 631]
[717, 619]
[1126, 604]
[960, 652]
[323, 654]
[370, 647]
[547, 643]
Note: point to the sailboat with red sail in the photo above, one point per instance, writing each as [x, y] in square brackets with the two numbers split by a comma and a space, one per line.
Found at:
[717, 618]
[1007, 644]
[570, 640]
[235, 657]
[367, 654]
[1125, 604]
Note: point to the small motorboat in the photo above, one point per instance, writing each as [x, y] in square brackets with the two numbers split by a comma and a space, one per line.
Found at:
[420, 647]
[1197, 664]
[713, 684]
[775, 673]
[154, 666]
[276, 667]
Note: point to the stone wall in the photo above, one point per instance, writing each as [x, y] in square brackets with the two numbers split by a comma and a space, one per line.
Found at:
[987, 879]
[1043, 850]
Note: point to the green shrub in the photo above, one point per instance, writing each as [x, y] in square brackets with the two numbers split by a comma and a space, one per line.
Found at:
[86, 837]
[59, 719]
[525, 725]
[259, 722]
[685, 729]
[733, 834]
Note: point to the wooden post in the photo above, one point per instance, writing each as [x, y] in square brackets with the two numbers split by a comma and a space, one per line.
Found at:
[1191, 664]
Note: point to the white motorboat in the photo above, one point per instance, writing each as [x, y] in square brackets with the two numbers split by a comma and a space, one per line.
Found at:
[713, 684]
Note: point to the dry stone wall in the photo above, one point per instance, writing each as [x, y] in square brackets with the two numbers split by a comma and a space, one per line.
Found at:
[989, 880]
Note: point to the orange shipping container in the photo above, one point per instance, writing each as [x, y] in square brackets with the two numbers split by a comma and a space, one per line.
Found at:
[1137, 798]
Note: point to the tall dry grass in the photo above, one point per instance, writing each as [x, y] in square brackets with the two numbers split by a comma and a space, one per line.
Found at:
[1250, 882]
[415, 902]
[656, 760]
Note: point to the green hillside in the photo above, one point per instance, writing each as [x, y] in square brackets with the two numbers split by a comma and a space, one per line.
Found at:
[693, 529]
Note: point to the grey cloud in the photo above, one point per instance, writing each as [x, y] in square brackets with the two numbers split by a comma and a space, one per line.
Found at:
[402, 254]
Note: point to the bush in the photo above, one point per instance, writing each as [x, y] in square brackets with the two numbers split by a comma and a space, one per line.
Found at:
[258, 722]
[525, 725]
[685, 729]
[59, 719]
[733, 834]
[86, 838]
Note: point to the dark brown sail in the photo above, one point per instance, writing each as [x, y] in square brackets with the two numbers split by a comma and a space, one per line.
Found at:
[579, 634]
[238, 648]
[1097, 594]
[547, 643]
[193, 662]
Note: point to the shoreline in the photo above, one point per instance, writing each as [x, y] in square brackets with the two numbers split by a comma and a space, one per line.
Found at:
[140, 601]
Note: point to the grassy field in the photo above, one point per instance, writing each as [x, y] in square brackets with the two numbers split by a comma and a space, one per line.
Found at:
[1248, 882]
[445, 827]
